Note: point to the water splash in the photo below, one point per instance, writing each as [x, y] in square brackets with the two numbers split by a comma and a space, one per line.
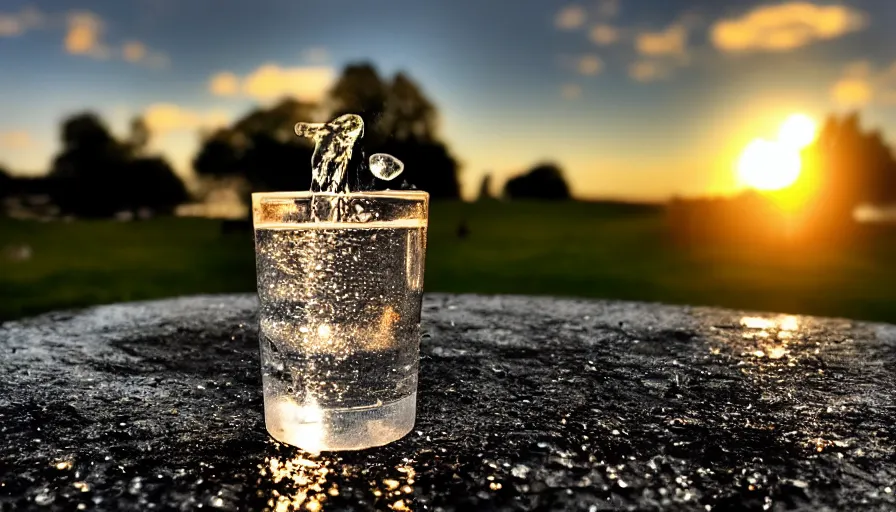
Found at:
[334, 143]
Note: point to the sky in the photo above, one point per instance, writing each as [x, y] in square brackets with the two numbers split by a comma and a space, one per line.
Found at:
[636, 99]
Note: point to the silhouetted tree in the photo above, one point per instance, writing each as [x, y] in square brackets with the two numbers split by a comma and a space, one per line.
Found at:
[152, 183]
[428, 166]
[485, 188]
[853, 166]
[139, 137]
[5, 182]
[408, 115]
[218, 157]
[263, 149]
[545, 181]
[96, 175]
[360, 90]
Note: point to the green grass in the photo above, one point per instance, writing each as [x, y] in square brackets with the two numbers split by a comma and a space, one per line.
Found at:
[571, 249]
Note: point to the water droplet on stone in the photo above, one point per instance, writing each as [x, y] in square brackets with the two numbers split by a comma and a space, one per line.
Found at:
[44, 498]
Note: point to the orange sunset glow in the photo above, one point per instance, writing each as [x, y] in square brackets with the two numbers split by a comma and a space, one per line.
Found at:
[775, 165]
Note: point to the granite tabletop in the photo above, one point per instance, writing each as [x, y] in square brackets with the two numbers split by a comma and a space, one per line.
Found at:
[524, 403]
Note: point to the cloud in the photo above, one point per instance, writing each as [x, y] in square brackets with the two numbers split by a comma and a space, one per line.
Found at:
[852, 92]
[862, 84]
[271, 81]
[590, 65]
[570, 17]
[84, 35]
[649, 70]
[608, 9]
[16, 24]
[673, 41]
[786, 26]
[18, 139]
[163, 118]
[315, 55]
[570, 91]
[225, 84]
[134, 51]
[603, 34]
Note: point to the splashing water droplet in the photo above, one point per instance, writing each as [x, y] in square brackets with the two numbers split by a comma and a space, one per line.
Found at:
[385, 167]
[333, 144]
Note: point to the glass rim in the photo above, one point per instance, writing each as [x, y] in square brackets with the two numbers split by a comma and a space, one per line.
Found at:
[373, 194]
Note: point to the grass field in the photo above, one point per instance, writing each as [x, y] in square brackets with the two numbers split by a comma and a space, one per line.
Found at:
[569, 249]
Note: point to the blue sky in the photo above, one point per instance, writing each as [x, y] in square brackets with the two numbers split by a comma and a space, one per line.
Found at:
[634, 98]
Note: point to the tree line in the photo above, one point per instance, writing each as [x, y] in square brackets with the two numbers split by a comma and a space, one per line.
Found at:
[97, 174]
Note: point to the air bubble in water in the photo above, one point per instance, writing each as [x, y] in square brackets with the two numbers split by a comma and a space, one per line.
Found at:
[385, 167]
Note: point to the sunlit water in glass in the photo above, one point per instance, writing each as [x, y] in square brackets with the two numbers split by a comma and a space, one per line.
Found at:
[340, 330]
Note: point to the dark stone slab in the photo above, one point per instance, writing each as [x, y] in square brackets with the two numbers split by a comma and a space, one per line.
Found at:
[525, 403]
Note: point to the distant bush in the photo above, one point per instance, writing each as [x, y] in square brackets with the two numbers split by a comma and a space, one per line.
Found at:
[545, 181]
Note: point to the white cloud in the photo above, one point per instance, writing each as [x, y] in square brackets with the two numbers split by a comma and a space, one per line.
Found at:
[863, 84]
[590, 65]
[608, 9]
[786, 26]
[85, 36]
[570, 17]
[225, 84]
[16, 139]
[16, 24]
[134, 51]
[604, 34]
[271, 82]
[163, 118]
[316, 55]
[570, 91]
[649, 70]
[673, 41]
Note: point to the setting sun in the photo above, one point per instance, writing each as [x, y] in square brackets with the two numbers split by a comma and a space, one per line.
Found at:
[767, 165]
[773, 165]
[797, 131]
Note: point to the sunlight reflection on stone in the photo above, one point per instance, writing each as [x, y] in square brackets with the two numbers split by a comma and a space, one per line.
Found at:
[304, 477]
[398, 490]
[755, 322]
[789, 323]
[769, 340]
[309, 481]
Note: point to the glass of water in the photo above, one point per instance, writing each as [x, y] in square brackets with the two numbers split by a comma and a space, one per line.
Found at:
[340, 285]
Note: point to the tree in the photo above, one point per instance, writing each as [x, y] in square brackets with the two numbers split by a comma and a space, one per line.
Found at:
[262, 148]
[96, 175]
[5, 182]
[360, 90]
[400, 120]
[153, 184]
[485, 188]
[852, 167]
[428, 166]
[408, 115]
[139, 137]
[545, 181]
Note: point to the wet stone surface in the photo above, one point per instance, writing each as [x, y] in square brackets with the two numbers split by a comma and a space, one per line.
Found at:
[524, 403]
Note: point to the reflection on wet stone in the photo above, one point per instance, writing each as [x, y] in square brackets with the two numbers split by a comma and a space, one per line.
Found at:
[524, 404]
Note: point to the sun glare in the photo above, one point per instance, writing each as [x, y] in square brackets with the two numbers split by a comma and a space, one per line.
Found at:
[766, 165]
[773, 165]
[797, 131]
